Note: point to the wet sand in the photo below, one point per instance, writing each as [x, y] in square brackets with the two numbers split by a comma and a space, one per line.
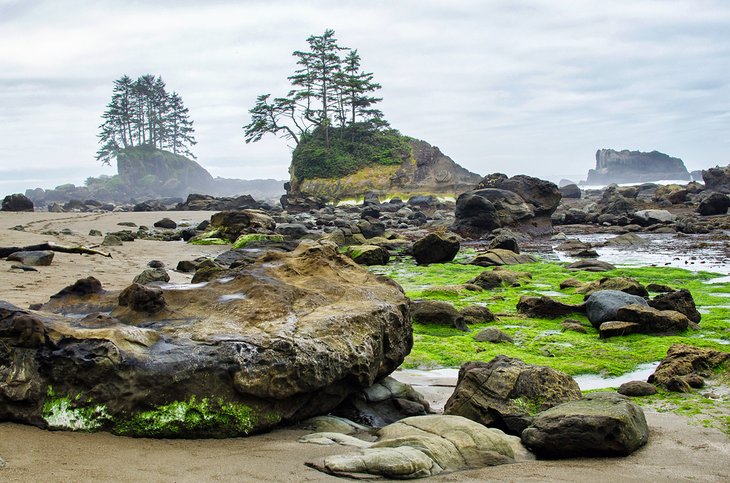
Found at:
[677, 450]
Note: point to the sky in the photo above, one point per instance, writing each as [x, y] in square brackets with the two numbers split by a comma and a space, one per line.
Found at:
[514, 86]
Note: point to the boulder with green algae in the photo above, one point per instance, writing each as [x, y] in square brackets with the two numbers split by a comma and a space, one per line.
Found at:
[423, 446]
[368, 254]
[283, 339]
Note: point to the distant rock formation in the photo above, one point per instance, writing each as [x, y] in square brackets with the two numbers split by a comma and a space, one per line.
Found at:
[635, 167]
[428, 170]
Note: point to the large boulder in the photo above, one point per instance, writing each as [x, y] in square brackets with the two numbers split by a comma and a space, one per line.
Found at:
[498, 257]
[717, 178]
[283, 339]
[232, 224]
[653, 321]
[542, 195]
[601, 424]
[680, 301]
[623, 284]
[507, 393]
[437, 312]
[546, 307]
[33, 258]
[17, 202]
[436, 248]
[714, 204]
[423, 446]
[683, 362]
[603, 306]
[653, 217]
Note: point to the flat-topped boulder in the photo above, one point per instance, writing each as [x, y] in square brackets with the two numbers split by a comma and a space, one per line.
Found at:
[284, 338]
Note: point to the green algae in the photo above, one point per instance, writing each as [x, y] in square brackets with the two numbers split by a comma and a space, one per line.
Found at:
[244, 240]
[204, 417]
[73, 413]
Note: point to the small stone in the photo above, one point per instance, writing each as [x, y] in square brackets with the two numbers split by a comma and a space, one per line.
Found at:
[152, 275]
[111, 241]
[93, 232]
[165, 223]
[637, 389]
[156, 264]
[494, 335]
[617, 328]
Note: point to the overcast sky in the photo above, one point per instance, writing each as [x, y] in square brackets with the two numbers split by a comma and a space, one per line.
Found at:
[516, 86]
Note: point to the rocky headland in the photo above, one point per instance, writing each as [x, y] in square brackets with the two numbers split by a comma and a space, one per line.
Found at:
[635, 167]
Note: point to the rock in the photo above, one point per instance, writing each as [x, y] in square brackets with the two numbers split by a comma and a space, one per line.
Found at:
[600, 424]
[200, 202]
[658, 287]
[617, 328]
[111, 241]
[17, 202]
[368, 254]
[542, 195]
[93, 232]
[32, 258]
[636, 389]
[424, 446]
[490, 279]
[573, 325]
[282, 340]
[498, 257]
[627, 240]
[603, 306]
[623, 284]
[546, 307]
[371, 229]
[571, 283]
[436, 312]
[165, 223]
[570, 191]
[507, 393]
[383, 403]
[232, 224]
[186, 266]
[653, 321]
[332, 438]
[653, 217]
[333, 424]
[477, 314]
[683, 361]
[24, 268]
[717, 178]
[505, 239]
[714, 204]
[635, 166]
[294, 231]
[140, 298]
[680, 301]
[590, 266]
[492, 334]
[150, 275]
[436, 248]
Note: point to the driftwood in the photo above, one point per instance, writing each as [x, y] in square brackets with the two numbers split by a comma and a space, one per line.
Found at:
[5, 251]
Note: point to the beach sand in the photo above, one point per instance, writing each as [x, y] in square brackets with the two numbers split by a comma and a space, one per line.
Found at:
[677, 450]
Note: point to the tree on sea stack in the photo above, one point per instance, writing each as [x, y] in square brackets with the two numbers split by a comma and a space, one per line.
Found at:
[330, 95]
[143, 113]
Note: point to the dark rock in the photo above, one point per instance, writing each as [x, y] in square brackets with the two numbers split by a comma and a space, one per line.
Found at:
[505, 240]
[636, 389]
[717, 179]
[634, 166]
[600, 424]
[653, 321]
[369, 254]
[626, 240]
[490, 279]
[232, 224]
[658, 287]
[680, 301]
[294, 231]
[494, 335]
[546, 308]
[477, 314]
[111, 241]
[371, 229]
[436, 248]
[186, 266]
[32, 258]
[188, 233]
[80, 288]
[383, 403]
[623, 284]
[370, 198]
[436, 312]
[165, 223]
[603, 306]
[17, 202]
[156, 264]
[506, 393]
[714, 204]
[570, 191]
[370, 212]
[142, 299]
[684, 360]
[590, 266]
[200, 202]
[93, 232]
[653, 217]
[542, 195]
[150, 275]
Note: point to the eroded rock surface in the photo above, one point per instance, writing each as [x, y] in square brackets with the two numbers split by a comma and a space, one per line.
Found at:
[283, 339]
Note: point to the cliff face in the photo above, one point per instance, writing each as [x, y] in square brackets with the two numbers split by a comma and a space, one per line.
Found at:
[635, 166]
[427, 170]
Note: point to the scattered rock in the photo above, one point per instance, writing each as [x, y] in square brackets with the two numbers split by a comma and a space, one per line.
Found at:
[653, 217]
[627, 240]
[368, 254]
[140, 298]
[603, 306]
[490, 279]
[333, 424]
[622, 284]
[477, 314]
[658, 287]
[436, 248]
[680, 301]
[507, 393]
[494, 335]
[546, 307]
[714, 204]
[383, 403]
[570, 191]
[683, 361]
[499, 256]
[17, 202]
[617, 328]
[590, 266]
[165, 223]
[637, 389]
[653, 321]
[436, 312]
[600, 424]
[32, 258]
[150, 275]
[111, 241]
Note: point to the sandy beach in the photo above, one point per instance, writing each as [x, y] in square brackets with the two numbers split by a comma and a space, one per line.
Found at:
[677, 450]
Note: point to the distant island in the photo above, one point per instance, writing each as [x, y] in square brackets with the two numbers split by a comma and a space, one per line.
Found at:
[635, 167]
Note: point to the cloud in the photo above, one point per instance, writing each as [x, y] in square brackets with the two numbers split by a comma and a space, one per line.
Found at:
[532, 86]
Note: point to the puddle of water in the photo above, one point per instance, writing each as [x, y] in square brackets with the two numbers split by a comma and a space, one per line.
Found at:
[181, 286]
[233, 296]
[595, 381]
[719, 280]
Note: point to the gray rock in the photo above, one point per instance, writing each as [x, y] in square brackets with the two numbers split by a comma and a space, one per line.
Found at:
[497, 257]
[627, 240]
[165, 223]
[546, 307]
[111, 241]
[437, 312]
[600, 424]
[292, 230]
[714, 204]
[150, 275]
[653, 321]
[570, 191]
[680, 301]
[477, 314]
[603, 306]
[436, 248]
[490, 279]
[494, 335]
[653, 217]
[637, 389]
[590, 266]
[32, 258]
[369, 254]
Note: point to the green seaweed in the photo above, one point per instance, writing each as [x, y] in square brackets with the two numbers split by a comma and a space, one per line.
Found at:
[73, 413]
[244, 240]
[190, 418]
